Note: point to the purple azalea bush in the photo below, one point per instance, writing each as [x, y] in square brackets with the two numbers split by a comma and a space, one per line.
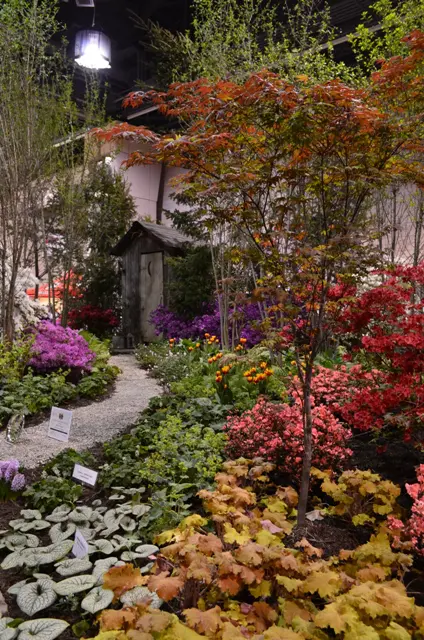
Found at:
[244, 319]
[56, 347]
[11, 480]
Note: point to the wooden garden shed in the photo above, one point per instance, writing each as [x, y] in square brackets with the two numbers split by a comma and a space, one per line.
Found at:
[143, 251]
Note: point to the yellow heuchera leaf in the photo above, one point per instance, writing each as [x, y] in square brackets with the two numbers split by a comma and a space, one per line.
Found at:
[111, 619]
[383, 509]
[122, 579]
[267, 539]
[233, 536]
[230, 632]
[179, 631]
[111, 635]
[291, 584]
[277, 633]
[326, 583]
[263, 590]
[166, 536]
[193, 521]
[372, 573]
[276, 506]
[166, 587]
[362, 518]
[361, 631]
[135, 634]
[208, 622]
[395, 632]
[330, 616]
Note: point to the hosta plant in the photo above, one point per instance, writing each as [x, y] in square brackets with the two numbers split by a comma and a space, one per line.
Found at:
[113, 540]
[36, 629]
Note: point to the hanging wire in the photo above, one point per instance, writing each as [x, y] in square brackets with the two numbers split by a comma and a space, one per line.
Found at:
[94, 15]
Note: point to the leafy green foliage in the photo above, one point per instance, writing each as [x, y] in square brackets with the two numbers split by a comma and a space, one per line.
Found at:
[172, 453]
[192, 284]
[148, 355]
[50, 492]
[233, 39]
[33, 393]
[396, 20]
[63, 463]
[108, 198]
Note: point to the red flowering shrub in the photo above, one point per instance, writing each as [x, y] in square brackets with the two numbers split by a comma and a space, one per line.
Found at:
[413, 530]
[275, 433]
[388, 324]
[99, 321]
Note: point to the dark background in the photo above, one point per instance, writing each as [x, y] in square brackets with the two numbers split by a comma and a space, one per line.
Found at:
[130, 57]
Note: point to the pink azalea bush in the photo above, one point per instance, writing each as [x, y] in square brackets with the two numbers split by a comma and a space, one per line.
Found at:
[275, 432]
[413, 530]
[56, 347]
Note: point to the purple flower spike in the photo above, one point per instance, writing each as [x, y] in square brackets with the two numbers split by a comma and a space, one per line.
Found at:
[12, 470]
[4, 464]
[18, 482]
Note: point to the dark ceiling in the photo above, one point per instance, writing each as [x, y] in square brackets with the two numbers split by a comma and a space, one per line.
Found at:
[129, 56]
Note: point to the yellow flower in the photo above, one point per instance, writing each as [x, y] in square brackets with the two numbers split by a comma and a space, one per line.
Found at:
[250, 378]
[243, 340]
[263, 365]
[218, 378]
[225, 369]
[225, 386]
[210, 360]
[207, 335]
[190, 348]
[293, 362]
[197, 345]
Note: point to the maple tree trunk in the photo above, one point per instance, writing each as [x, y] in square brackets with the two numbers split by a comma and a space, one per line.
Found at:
[307, 448]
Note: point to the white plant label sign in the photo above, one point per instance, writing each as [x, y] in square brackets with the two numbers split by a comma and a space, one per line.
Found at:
[80, 548]
[60, 424]
[85, 475]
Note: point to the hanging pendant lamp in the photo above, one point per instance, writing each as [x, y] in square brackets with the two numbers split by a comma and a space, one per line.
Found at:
[93, 49]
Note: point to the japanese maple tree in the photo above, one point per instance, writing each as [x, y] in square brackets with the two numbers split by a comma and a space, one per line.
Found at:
[293, 168]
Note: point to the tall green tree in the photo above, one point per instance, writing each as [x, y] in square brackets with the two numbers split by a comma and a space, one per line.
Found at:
[234, 38]
[31, 79]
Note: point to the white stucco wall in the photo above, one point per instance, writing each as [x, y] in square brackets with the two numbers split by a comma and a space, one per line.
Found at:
[143, 181]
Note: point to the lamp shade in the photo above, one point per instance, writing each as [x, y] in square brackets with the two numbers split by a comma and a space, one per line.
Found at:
[92, 49]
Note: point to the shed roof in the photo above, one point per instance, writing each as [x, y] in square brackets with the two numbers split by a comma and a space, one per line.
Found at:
[166, 236]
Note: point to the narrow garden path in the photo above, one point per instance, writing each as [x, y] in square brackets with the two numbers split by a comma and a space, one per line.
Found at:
[99, 421]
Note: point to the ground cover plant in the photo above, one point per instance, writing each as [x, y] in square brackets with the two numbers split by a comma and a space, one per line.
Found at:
[51, 366]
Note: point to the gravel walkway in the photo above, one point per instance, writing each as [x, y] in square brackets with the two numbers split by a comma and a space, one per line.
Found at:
[97, 422]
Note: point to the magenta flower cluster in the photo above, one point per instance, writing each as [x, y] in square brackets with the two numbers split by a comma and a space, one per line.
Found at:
[56, 347]
[10, 477]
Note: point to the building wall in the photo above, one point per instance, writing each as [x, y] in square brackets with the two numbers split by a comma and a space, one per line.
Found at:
[144, 181]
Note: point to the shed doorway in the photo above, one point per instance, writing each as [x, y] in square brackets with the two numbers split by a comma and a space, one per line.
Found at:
[151, 290]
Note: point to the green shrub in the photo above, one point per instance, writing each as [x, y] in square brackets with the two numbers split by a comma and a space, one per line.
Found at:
[34, 393]
[50, 492]
[63, 464]
[14, 358]
[150, 355]
[173, 452]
